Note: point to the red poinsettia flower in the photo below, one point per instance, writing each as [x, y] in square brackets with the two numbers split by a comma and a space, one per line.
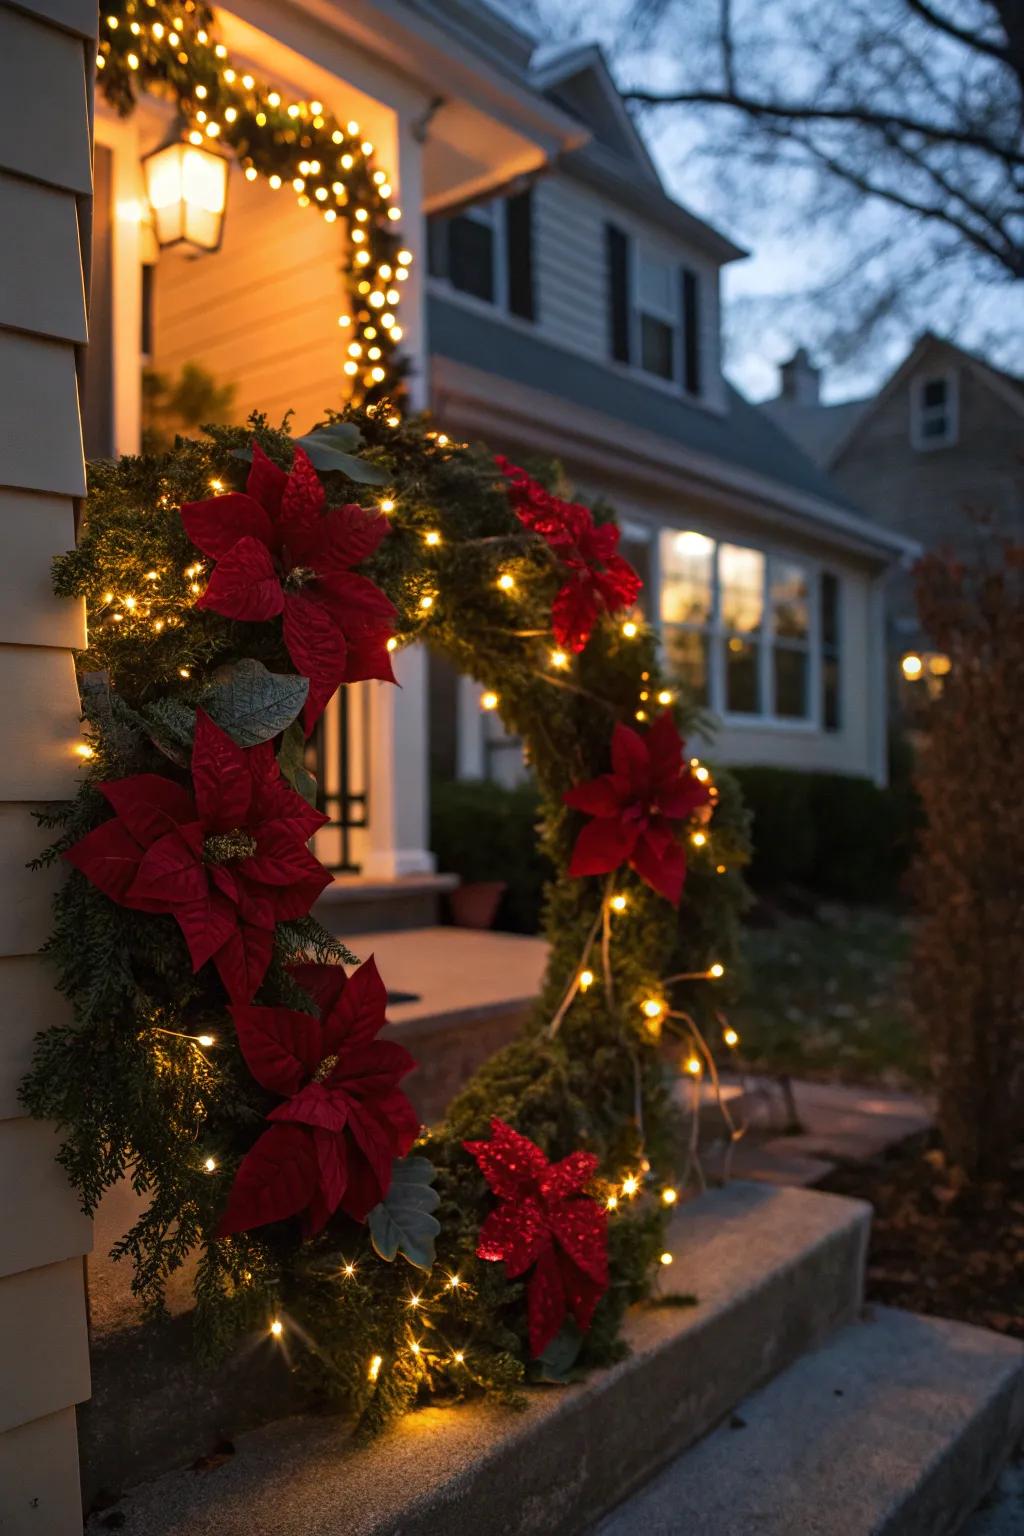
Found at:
[228, 858]
[344, 1119]
[280, 551]
[597, 576]
[544, 1219]
[638, 809]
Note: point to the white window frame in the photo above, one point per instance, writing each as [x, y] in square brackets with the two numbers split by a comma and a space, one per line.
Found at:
[718, 634]
[492, 214]
[671, 315]
[920, 413]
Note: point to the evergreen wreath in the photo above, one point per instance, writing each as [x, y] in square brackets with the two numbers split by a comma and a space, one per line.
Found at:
[397, 1261]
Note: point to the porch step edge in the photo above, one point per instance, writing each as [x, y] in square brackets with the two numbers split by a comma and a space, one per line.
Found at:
[897, 1426]
[775, 1272]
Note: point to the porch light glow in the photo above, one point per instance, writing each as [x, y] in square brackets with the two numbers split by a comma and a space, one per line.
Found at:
[187, 190]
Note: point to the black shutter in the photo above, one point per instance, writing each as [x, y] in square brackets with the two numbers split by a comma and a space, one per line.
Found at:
[519, 253]
[617, 242]
[691, 332]
[831, 655]
[437, 246]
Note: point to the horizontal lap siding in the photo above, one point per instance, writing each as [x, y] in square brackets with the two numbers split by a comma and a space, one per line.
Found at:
[262, 312]
[45, 186]
[571, 274]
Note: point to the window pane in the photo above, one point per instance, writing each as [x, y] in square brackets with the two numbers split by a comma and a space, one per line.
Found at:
[687, 562]
[741, 574]
[934, 424]
[791, 674]
[742, 677]
[638, 553]
[934, 392]
[686, 659]
[471, 257]
[656, 286]
[789, 600]
[656, 347]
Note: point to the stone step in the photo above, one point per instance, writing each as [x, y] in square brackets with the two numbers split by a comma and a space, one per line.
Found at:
[775, 1271]
[358, 904]
[896, 1426]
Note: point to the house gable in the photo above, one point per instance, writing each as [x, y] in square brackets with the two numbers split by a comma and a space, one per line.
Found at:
[578, 80]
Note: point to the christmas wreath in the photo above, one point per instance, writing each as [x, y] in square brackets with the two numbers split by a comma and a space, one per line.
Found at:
[224, 1051]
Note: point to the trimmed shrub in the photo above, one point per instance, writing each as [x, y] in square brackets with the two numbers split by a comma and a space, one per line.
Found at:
[835, 834]
[483, 831]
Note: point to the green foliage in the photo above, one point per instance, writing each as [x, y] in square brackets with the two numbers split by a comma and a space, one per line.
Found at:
[836, 834]
[170, 406]
[403, 1222]
[483, 831]
[132, 1092]
[252, 704]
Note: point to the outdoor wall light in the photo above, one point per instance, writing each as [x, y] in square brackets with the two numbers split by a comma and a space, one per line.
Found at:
[187, 189]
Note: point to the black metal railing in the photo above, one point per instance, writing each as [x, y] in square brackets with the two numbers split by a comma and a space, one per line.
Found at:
[329, 753]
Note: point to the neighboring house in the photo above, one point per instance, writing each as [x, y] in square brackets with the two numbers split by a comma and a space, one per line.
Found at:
[936, 455]
[577, 316]
[572, 310]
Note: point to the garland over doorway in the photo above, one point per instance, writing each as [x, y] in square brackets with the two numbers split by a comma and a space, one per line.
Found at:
[219, 1058]
[298, 147]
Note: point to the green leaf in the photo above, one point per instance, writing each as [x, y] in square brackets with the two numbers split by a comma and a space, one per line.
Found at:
[326, 454]
[338, 434]
[291, 759]
[252, 704]
[171, 726]
[555, 1365]
[403, 1223]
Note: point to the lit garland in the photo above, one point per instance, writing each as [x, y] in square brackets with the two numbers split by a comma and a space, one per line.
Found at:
[171, 52]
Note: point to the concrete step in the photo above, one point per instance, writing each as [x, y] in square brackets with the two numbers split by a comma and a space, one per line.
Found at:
[775, 1271]
[896, 1426]
[357, 904]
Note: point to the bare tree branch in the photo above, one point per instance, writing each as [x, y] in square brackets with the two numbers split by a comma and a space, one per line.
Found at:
[963, 35]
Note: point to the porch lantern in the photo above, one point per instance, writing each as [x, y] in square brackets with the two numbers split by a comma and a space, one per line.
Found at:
[187, 187]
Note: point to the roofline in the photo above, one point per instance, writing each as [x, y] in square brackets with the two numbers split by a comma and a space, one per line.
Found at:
[990, 376]
[657, 458]
[433, 56]
[578, 59]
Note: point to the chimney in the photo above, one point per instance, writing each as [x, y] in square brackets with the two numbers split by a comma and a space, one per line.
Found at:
[800, 380]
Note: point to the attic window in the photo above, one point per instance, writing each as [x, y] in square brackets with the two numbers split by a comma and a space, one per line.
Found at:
[934, 411]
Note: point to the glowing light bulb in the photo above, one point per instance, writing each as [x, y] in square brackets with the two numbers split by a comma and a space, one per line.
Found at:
[205, 1040]
[702, 774]
[392, 643]
[277, 1327]
[698, 839]
[669, 1196]
[426, 602]
[375, 1365]
[666, 1258]
[630, 1185]
[586, 980]
[458, 1357]
[612, 1203]
[506, 582]
[559, 659]
[210, 1164]
[716, 971]
[152, 575]
[348, 1270]
[629, 629]
[184, 672]
[488, 700]
[84, 750]
[415, 1348]
[653, 1008]
[414, 1301]
[730, 1037]
[387, 505]
[664, 697]
[454, 1282]
[433, 538]
[692, 1065]
[912, 666]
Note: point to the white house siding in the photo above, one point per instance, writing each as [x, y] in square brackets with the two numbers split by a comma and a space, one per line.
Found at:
[571, 273]
[262, 312]
[45, 191]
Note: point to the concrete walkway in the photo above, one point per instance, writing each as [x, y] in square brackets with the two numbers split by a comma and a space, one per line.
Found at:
[837, 1124]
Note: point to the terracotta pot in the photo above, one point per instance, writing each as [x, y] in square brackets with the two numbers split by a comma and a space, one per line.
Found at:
[476, 904]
